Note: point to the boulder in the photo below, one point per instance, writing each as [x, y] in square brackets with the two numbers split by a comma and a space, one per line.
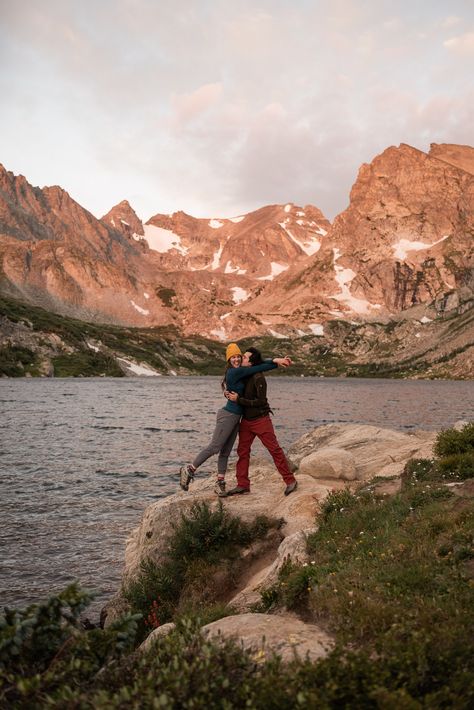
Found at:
[156, 634]
[358, 451]
[268, 634]
[329, 462]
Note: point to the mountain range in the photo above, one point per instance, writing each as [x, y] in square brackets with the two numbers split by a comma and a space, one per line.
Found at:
[401, 253]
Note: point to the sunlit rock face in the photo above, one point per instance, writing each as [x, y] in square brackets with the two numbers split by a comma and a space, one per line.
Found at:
[407, 234]
[405, 241]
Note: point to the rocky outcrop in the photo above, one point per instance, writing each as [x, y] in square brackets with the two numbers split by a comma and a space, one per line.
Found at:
[357, 452]
[372, 451]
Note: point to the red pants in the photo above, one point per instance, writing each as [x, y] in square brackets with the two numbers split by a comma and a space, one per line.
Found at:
[263, 428]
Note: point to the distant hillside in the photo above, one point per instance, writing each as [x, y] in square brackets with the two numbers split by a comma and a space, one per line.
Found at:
[35, 342]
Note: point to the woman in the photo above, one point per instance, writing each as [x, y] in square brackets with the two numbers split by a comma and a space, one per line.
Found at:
[228, 418]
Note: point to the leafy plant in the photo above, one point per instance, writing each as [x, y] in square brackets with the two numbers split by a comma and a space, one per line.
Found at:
[453, 441]
[197, 565]
[15, 360]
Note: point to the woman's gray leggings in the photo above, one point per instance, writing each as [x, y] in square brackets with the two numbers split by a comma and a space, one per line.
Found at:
[223, 439]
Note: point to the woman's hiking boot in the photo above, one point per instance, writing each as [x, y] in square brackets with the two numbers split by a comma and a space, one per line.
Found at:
[186, 476]
[219, 488]
[291, 487]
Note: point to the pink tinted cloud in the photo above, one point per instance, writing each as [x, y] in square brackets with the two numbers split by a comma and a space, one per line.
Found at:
[187, 107]
[462, 44]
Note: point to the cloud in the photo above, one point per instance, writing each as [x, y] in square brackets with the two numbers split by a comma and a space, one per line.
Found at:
[463, 44]
[212, 108]
[450, 21]
[188, 107]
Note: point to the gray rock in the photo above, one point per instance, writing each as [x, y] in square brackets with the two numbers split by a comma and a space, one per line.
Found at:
[266, 634]
[156, 634]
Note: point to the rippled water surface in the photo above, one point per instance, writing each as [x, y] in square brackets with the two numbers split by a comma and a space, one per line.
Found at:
[81, 459]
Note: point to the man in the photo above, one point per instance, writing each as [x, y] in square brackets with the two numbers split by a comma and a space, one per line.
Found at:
[256, 422]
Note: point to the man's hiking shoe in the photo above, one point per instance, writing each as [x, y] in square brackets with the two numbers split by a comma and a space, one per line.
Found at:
[219, 488]
[186, 476]
[291, 487]
[238, 489]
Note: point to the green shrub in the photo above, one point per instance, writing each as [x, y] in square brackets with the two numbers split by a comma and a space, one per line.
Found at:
[452, 441]
[197, 565]
[86, 364]
[45, 652]
[456, 466]
[418, 470]
[337, 501]
[295, 584]
[16, 360]
[166, 295]
[390, 578]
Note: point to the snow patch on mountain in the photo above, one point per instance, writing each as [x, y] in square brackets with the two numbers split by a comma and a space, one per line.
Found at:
[163, 240]
[277, 335]
[276, 269]
[142, 370]
[143, 311]
[219, 333]
[229, 269]
[216, 223]
[236, 220]
[217, 258]
[316, 328]
[239, 294]
[403, 246]
[308, 249]
[344, 277]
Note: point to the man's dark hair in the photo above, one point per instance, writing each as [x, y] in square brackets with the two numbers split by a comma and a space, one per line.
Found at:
[256, 356]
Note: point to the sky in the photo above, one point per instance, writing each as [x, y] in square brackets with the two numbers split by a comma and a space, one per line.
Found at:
[217, 107]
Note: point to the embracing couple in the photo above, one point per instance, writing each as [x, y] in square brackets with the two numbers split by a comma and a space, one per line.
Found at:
[247, 413]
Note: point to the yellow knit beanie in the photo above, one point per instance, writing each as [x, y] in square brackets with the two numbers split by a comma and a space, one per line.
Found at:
[232, 349]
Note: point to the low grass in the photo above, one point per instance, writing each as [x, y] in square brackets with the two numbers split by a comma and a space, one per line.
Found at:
[393, 579]
[16, 361]
[86, 364]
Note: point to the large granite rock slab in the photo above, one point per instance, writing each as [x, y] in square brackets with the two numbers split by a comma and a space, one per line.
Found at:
[358, 451]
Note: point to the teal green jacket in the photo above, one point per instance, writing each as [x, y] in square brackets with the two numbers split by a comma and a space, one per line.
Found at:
[235, 382]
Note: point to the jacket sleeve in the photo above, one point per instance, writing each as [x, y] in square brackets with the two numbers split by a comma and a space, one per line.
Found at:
[239, 373]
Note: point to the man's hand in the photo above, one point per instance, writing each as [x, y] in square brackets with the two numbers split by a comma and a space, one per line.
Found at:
[233, 396]
[282, 361]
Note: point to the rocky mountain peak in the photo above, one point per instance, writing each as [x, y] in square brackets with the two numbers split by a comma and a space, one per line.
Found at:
[405, 241]
[461, 156]
[124, 219]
